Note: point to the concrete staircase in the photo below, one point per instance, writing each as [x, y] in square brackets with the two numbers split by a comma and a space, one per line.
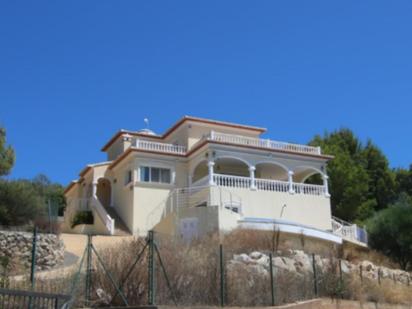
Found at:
[120, 228]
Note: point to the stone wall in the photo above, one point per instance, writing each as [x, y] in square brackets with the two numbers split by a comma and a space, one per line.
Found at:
[18, 247]
[298, 262]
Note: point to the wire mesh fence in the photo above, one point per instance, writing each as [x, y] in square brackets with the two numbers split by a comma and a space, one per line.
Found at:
[214, 271]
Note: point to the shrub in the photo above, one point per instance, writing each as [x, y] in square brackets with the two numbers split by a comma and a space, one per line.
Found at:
[82, 217]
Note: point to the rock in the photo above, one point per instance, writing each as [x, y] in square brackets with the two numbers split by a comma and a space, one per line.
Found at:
[255, 255]
[263, 260]
[346, 267]
[244, 258]
[303, 262]
[284, 264]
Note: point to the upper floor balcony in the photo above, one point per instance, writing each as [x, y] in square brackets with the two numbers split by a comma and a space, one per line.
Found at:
[262, 143]
[229, 139]
[160, 147]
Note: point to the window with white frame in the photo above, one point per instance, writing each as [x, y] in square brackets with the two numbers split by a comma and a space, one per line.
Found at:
[155, 174]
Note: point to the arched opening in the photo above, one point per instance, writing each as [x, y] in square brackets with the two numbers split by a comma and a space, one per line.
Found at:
[103, 191]
[231, 166]
[200, 171]
[308, 175]
[271, 170]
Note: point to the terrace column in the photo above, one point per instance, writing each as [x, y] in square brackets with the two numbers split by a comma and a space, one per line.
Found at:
[325, 184]
[94, 188]
[290, 180]
[210, 166]
[252, 177]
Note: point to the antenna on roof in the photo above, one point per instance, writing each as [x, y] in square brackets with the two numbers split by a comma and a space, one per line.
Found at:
[146, 121]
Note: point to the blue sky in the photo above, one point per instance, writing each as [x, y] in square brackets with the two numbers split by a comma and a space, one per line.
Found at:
[72, 73]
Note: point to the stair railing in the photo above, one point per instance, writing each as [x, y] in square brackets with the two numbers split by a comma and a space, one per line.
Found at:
[104, 216]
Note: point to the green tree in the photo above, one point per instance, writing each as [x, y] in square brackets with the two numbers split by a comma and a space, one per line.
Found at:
[20, 203]
[361, 181]
[6, 154]
[390, 231]
[381, 177]
[50, 192]
[404, 180]
[348, 177]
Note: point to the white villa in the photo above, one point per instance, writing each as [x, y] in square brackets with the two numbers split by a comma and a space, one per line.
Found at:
[203, 176]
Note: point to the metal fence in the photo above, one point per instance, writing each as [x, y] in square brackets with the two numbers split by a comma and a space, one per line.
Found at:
[15, 299]
[213, 271]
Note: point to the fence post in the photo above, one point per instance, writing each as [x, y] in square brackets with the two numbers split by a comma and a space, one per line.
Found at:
[88, 269]
[50, 215]
[222, 276]
[151, 271]
[361, 273]
[272, 283]
[315, 276]
[33, 257]
[379, 276]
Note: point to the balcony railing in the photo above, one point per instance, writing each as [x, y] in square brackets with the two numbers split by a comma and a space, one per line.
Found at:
[160, 147]
[230, 139]
[262, 143]
[267, 185]
[349, 231]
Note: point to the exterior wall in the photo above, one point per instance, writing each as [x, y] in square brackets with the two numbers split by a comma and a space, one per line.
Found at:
[208, 221]
[123, 195]
[146, 200]
[179, 137]
[117, 148]
[308, 210]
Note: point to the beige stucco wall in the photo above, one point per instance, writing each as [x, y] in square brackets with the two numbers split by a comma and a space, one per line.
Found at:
[118, 147]
[208, 221]
[309, 210]
[146, 199]
[123, 195]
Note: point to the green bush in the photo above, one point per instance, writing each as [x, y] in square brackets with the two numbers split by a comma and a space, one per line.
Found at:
[82, 217]
[390, 231]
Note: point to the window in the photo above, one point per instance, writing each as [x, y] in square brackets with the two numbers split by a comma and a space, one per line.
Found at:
[128, 177]
[145, 173]
[155, 174]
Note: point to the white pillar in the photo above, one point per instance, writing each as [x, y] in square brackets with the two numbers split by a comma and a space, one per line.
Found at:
[210, 166]
[252, 177]
[212, 135]
[94, 188]
[325, 184]
[290, 180]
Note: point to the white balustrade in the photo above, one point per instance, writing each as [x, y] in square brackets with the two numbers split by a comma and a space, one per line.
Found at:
[263, 143]
[309, 189]
[231, 181]
[160, 147]
[272, 185]
[267, 184]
